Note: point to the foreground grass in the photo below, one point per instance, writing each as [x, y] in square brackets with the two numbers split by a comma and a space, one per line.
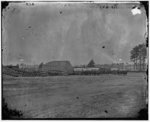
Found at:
[105, 96]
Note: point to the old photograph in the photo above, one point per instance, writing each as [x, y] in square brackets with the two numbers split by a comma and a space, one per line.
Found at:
[74, 60]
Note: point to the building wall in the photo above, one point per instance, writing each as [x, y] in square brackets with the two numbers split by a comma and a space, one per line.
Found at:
[29, 67]
[86, 69]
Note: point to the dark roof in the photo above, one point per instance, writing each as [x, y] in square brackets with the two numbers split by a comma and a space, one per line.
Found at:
[64, 66]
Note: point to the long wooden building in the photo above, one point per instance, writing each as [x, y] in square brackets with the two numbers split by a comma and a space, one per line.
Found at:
[58, 67]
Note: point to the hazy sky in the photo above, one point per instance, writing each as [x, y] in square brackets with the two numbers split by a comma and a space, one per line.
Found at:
[76, 32]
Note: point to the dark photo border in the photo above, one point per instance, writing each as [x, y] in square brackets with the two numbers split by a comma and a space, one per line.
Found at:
[143, 114]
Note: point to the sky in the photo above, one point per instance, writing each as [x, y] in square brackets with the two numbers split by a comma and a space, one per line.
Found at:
[78, 32]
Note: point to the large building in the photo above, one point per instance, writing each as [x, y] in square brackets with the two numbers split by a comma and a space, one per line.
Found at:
[58, 67]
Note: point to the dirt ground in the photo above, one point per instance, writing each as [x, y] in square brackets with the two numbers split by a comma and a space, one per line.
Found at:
[104, 96]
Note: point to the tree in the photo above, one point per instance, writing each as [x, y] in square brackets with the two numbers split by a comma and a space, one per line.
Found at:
[134, 56]
[40, 66]
[17, 66]
[142, 56]
[91, 63]
[138, 56]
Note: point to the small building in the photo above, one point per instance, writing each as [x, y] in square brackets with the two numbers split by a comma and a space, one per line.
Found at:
[104, 67]
[22, 66]
[58, 67]
[130, 67]
[86, 69]
[114, 69]
[117, 66]
[28, 67]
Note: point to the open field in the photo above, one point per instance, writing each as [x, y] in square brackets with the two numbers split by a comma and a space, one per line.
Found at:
[104, 96]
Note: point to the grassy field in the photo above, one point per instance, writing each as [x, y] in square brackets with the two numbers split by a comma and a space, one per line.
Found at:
[104, 96]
